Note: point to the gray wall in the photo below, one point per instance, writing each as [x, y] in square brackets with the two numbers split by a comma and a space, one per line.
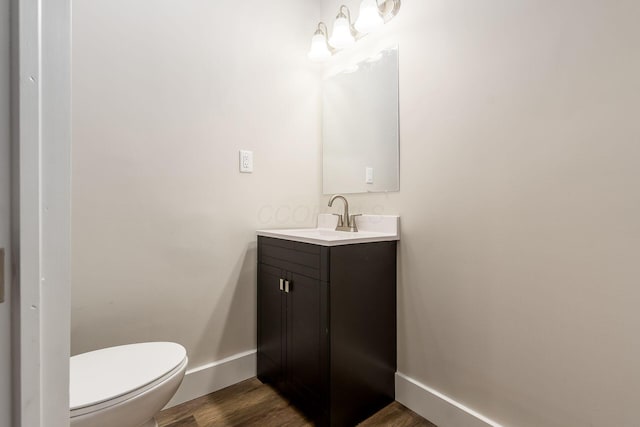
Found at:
[520, 163]
[165, 93]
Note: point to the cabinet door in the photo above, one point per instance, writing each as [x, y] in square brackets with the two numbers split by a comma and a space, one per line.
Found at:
[306, 346]
[271, 332]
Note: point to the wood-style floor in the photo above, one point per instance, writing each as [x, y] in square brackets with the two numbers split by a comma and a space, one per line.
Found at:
[251, 403]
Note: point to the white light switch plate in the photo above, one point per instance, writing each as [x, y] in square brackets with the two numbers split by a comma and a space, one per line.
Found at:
[369, 175]
[246, 161]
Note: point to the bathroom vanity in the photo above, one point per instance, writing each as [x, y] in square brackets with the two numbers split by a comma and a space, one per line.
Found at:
[327, 317]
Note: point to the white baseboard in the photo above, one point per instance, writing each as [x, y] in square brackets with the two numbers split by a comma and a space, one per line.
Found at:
[436, 407]
[205, 379]
[423, 400]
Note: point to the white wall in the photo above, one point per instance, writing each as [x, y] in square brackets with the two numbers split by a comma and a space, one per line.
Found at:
[520, 158]
[5, 213]
[165, 93]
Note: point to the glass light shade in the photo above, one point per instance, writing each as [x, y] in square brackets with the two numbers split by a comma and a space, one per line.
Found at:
[319, 50]
[341, 36]
[369, 19]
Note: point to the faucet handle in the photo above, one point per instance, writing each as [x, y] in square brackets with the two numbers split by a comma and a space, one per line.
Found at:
[351, 223]
[340, 219]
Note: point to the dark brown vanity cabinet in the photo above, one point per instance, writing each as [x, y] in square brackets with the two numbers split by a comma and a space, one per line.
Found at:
[327, 326]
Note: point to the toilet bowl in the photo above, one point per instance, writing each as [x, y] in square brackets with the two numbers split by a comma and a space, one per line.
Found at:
[124, 386]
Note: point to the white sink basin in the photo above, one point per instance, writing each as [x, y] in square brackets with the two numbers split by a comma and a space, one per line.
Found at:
[371, 228]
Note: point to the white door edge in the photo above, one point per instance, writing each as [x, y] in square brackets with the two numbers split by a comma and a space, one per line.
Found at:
[27, 409]
[44, 143]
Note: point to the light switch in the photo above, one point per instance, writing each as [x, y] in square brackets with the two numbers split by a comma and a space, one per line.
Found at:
[369, 175]
[246, 161]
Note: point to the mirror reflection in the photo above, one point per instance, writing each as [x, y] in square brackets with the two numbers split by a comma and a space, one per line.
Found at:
[360, 149]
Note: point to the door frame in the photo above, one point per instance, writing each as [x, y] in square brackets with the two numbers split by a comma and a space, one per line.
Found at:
[41, 145]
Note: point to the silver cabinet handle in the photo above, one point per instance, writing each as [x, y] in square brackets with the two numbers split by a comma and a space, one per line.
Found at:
[282, 284]
[286, 286]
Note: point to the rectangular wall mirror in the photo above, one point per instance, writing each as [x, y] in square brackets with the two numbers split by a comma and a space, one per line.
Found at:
[360, 141]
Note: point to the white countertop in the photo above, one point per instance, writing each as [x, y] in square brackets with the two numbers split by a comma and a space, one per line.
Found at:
[371, 228]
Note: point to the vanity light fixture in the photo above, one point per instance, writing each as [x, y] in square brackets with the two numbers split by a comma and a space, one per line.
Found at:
[320, 50]
[373, 15]
[343, 34]
[370, 18]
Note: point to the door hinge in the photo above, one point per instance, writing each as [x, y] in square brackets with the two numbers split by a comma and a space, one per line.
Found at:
[1, 275]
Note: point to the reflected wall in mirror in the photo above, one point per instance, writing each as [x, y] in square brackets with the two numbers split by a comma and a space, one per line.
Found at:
[360, 150]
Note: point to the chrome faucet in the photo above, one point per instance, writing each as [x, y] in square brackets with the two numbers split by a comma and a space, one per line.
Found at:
[350, 219]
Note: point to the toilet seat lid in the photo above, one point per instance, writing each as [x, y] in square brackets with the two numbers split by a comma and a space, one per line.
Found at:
[106, 374]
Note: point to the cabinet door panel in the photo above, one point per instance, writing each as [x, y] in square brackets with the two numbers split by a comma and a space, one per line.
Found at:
[306, 336]
[271, 331]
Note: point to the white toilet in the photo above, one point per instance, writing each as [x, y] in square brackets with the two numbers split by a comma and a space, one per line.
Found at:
[125, 386]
